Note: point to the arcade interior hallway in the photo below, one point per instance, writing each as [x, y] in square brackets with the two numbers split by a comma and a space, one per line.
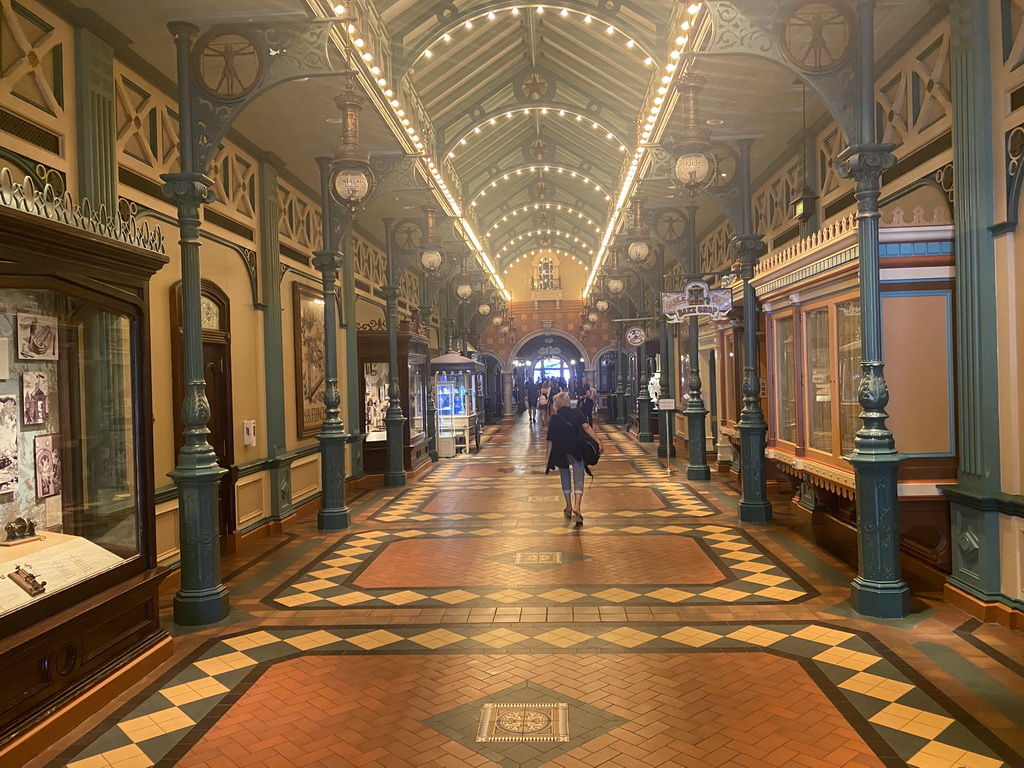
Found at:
[461, 621]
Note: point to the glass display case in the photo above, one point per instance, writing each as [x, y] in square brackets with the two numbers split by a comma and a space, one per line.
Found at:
[375, 380]
[375, 388]
[78, 576]
[458, 393]
[417, 396]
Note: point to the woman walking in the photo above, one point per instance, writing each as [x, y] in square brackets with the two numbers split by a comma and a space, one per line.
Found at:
[544, 402]
[586, 403]
[564, 452]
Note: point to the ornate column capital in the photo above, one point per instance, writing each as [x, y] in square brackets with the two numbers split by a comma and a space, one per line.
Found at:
[328, 262]
[188, 191]
[748, 249]
[390, 292]
[864, 163]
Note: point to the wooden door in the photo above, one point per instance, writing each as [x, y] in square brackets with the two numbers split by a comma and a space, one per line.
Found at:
[218, 392]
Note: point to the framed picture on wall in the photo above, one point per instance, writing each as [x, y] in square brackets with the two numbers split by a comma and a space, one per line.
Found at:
[309, 358]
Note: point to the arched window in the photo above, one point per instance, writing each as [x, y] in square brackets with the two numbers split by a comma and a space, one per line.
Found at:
[545, 273]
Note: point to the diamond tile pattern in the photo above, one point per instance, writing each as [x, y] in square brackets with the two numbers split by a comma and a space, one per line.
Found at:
[668, 635]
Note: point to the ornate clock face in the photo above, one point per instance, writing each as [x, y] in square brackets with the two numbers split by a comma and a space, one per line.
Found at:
[351, 186]
[693, 169]
[635, 336]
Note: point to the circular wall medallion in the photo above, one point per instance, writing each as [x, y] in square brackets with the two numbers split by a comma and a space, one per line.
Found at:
[670, 225]
[818, 36]
[636, 336]
[227, 63]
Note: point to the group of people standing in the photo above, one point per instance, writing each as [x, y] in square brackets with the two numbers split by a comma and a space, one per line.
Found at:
[540, 399]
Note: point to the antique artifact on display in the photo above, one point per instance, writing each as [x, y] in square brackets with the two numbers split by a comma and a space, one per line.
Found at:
[27, 581]
[19, 530]
[37, 337]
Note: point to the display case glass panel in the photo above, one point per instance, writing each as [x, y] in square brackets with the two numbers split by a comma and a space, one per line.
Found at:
[68, 487]
[785, 375]
[848, 320]
[819, 372]
[417, 406]
[376, 400]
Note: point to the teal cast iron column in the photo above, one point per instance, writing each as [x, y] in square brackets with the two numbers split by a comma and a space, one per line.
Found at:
[667, 349]
[202, 598]
[394, 419]
[643, 408]
[273, 340]
[348, 297]
[333, 514]
[431, 422]
[696, 413]
[620, 375]
[878, 589]
[754, 505]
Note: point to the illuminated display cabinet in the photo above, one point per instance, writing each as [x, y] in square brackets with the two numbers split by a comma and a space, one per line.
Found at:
[458, 389]
[374, 376]
[78, 593]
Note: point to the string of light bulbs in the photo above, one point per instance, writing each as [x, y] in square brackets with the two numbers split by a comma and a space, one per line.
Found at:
[516, 11]
[657, 112]
[541, 168]
[537, 252]
[412, 141]
[556, 232]
[542, 207]
[495, 120]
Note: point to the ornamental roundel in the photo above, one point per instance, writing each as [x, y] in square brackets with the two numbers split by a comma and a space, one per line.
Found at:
[541, 190]
[818, 36]
[227, 63]
[408, 235]
[534, 87]
[670, 225]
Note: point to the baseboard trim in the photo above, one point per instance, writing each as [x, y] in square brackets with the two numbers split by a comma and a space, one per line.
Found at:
[991, 612]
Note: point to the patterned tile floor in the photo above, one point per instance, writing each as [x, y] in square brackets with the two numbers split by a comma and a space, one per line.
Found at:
[463, 622]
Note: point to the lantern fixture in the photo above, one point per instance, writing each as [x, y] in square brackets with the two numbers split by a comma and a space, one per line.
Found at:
[431, 253]
[484, 309]
[587, 327]
[615, 286]
[351, 180]
[638, 244]
[497, 320]
[602, 305]
[693, 165]
[593, 317]
[505, 330]
[464, 286]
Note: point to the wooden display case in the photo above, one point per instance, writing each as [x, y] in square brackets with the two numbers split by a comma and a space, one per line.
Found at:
[79, 603]
[374, 375]
[810, 297]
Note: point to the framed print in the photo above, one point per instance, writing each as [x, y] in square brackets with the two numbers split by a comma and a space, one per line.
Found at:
[309, 358]
[8, 443]
[35, 398]
[47, 466]
[37, 337]
[5, 359]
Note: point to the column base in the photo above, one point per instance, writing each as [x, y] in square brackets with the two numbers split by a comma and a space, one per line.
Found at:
[394, 479]
[335, 520]
[434, 458]
[193, 609]
[880, 599]
[663, 452]
[698, 472]
[755, 511]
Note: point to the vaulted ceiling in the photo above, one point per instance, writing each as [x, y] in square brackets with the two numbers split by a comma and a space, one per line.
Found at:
[530, 110]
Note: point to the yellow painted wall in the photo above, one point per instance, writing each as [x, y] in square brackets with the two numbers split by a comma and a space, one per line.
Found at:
[573, 273]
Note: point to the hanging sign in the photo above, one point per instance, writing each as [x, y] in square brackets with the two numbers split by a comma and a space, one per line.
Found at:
[694, 300]
[635, 336]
